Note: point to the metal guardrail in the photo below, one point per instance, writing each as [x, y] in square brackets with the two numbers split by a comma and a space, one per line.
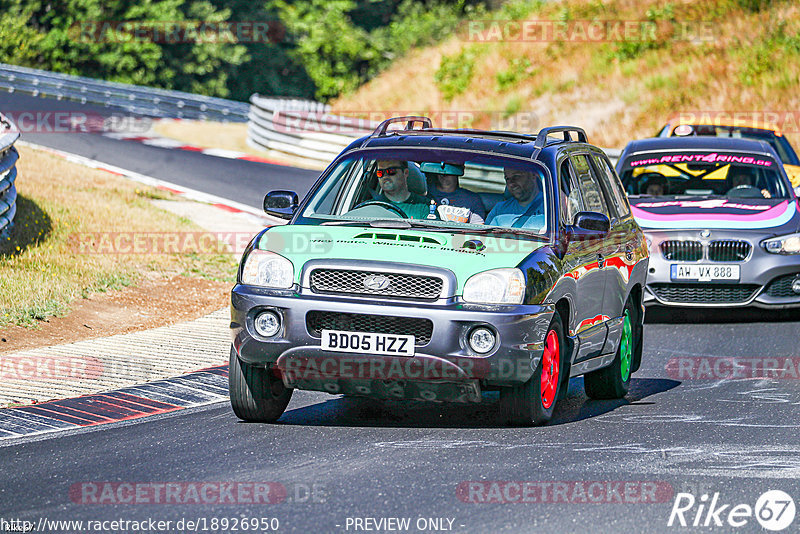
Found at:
[306, 130]
[8, 173]
[133, 99]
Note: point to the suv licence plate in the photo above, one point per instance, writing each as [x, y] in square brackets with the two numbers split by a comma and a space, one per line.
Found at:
[703, 272]
[368, 342]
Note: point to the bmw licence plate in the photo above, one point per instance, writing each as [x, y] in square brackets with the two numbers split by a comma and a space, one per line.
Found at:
[703, 272]
[368, 343]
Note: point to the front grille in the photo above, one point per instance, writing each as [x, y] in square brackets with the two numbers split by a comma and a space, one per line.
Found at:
[782, 286]
[349, 282]
[682, 250]
[421, 329]
[728, 250]
[704, 293]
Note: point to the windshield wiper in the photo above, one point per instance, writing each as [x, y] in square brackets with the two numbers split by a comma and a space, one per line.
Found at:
[345, 223]
[514, 231]
[407, 224]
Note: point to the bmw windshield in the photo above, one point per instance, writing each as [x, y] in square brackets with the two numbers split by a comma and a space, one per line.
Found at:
[690, 174]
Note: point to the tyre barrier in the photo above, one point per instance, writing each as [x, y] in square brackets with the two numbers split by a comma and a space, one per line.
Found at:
[8, 174]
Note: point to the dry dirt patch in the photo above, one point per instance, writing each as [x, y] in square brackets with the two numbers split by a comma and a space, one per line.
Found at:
[154, 302]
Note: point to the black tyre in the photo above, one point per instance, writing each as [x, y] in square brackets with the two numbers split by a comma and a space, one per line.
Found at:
[256, 395]
[533, 402]
[612, 382]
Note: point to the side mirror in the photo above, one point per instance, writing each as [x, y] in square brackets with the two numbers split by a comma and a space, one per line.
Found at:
[590, 224]
[281, 204]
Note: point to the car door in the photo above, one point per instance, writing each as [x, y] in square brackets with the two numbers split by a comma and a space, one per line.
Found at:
[585, 257]
[619, 250]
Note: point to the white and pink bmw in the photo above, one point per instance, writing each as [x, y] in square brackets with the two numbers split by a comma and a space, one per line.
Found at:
[721, 219]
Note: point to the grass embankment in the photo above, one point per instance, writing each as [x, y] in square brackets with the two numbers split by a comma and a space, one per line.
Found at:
[42, 266]
[722, 55]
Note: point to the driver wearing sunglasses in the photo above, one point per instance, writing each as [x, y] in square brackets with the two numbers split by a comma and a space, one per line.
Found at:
[393, 180]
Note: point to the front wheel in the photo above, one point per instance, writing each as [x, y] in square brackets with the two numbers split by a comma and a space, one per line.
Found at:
[256, 395]
[533, 402]
[612, 382]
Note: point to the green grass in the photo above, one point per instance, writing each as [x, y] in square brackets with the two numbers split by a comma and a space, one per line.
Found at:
[42, 268]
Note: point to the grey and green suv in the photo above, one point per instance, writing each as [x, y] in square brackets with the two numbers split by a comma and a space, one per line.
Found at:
[377, 287]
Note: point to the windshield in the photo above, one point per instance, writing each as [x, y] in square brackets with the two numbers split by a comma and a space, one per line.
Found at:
[777, 142]
[702, 174]
[449, 190]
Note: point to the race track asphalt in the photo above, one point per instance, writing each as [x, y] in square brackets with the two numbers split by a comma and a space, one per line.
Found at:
[686, 426]
[239, 180]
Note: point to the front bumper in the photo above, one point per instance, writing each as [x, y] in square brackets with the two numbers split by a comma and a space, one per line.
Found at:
[443, 368]
[764, 281]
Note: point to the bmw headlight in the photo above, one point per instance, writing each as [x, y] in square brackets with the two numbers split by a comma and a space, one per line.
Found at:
[267, 269]
[498, 286]
[785, 244]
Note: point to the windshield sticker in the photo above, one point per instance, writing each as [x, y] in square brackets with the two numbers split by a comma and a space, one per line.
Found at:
[704, 158]
[704, 204]
[677, 219]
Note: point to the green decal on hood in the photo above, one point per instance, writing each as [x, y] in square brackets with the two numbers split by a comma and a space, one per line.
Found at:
[301, 243]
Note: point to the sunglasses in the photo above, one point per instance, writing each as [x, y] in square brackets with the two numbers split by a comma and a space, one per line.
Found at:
[388, 171]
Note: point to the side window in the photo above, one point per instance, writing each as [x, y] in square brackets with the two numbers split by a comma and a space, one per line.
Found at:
[592, 194]
[616, 195]
[570, 195]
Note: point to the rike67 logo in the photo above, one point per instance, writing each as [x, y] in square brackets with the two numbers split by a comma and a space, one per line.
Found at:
[774, 510]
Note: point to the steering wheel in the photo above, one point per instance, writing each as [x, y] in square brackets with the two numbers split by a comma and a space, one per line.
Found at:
[385, 205]
[745, 191]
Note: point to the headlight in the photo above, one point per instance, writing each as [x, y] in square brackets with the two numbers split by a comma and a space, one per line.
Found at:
[498, 286]
[267, 269]
[785, 244]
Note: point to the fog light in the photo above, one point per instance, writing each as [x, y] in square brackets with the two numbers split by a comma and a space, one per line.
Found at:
[796, 285]
[481, 340]
[267, 323]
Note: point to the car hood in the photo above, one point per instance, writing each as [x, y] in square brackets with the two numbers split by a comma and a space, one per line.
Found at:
[301, 243]
[722, 213]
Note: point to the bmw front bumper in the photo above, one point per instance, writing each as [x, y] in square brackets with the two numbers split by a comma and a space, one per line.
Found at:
[765, 279]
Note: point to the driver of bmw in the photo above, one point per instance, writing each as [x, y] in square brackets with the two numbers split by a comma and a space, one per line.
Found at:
[393, 179]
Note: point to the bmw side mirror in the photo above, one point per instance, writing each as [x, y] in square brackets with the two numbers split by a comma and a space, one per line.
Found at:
[281, 204]
[591, 222]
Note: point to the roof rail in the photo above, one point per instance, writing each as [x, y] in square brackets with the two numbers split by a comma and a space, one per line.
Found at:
[541, 137]
[409, 120]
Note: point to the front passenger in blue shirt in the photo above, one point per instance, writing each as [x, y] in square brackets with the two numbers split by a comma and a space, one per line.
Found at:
[526, 204]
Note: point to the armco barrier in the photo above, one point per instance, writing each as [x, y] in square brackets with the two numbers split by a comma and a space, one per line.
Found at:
[304, 130]
[299, 128]
[8, 173]
[133, 99]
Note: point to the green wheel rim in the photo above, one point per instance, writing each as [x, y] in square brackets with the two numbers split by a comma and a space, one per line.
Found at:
[625, 348]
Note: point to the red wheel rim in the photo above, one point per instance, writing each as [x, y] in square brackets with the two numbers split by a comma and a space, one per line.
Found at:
[550, 369]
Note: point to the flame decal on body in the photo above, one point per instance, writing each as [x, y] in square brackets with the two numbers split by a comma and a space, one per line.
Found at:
[775, 216]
